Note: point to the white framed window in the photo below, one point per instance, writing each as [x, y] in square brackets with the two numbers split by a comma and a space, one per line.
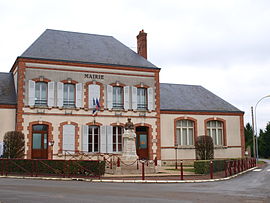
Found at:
[185, 132]
[117, 138]
[69, 95]
[141, 98]
[118, 97]
[215, 130]
[93, 138]
[41, 93]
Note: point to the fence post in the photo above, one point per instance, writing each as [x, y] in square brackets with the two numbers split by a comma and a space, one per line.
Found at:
[234, 166]
[155, 161]
[211, 169]
[230, 167]
[64, 172]
[118, 162]
[225, 168]
[6, 167]
[137, 164]
[143, 177]
[111, 163]
[181, 169]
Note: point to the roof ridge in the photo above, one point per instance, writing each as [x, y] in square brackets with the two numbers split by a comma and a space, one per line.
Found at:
[83, 33]
[180, 84]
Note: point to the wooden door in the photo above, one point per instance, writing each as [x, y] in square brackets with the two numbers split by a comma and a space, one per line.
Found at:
[142, 143]
[40, 145]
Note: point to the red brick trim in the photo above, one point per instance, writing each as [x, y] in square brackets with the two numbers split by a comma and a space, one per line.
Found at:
[117, 124]
[203, 113]
[105, 66]
[94, 72]
[101, 100]
[20, 96]
[74, 82]
[91, 115]
[195, 128]
[94, 123]
[224, 128]
[29, 137]
[7, 106]
[242, 135]
[60, 136]
[118, 84]
[142, 86]
[41, 80]
[150, 137]
[157, 101]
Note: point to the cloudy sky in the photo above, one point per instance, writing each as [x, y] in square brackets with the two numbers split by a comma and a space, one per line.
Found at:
[222, 45]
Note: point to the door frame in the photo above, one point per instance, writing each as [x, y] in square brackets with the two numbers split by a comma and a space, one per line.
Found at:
[42, 132]
[138, 133]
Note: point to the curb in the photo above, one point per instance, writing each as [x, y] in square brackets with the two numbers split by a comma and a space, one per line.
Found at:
[130, 181]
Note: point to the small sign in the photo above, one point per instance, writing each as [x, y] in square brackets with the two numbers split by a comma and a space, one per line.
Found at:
[94, 76]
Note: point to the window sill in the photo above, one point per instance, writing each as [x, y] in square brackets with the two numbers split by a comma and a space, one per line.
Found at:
[220, 147]
[185, 147]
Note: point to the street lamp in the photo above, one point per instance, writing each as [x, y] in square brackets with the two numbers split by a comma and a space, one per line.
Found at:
[255, 114]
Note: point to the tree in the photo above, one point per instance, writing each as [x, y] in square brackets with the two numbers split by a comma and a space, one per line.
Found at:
[249, 138]
[264, 142]
[13, 145]
[204, 148]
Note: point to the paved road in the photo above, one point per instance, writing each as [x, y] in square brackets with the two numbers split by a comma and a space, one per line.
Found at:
[253, 187]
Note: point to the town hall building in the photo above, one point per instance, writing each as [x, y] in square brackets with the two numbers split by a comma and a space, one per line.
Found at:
[72, 93]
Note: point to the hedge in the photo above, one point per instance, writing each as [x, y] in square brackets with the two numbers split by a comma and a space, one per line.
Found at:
[52, 167]
[203, 166]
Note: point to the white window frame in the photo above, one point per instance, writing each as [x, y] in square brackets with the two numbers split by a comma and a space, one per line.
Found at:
[118, 99]
[179, 132]
[140, 105]
[38, 97]
[91, 142]
[69, 102]
[116, 135]
[212, 126]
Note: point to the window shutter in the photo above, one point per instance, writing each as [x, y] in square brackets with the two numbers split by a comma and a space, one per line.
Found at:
[31, 92]
[84, 138]
[150, 96]
[109, 96]
[60, 93]
[93, 93]
[79, 93]
[126, 98]
[103, 140]
[51, 94]
[109, 130]
[134, 98]
[69, 138]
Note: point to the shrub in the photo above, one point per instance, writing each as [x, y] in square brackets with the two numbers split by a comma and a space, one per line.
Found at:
[54, 167]
[13, 145]
[203, 166]
[204, 148]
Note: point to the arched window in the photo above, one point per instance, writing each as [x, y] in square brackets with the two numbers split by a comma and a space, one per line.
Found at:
[215, 130]
[117, 138]
[185, 132]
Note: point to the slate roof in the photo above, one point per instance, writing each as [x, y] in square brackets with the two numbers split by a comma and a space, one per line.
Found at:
[7, 89]
[174, 97]
[85, 48]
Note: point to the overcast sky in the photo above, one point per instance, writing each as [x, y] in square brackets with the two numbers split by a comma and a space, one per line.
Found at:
[222, 45]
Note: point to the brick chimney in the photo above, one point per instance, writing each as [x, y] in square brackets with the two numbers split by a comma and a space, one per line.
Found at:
[142, 44]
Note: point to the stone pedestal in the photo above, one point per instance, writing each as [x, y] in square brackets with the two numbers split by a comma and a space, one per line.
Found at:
[129, 149]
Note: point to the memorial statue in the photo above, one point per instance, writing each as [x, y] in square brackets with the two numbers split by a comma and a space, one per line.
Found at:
[129, 139]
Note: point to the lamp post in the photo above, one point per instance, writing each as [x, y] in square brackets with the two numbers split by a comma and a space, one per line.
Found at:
[255, 114]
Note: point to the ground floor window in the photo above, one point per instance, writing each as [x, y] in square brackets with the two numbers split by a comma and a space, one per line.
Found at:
[93, 138]
[215, 130]
[117, 138]
[185, 132]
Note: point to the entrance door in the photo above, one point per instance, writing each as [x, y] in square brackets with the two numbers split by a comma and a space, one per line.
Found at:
[142, 142]
[40, 142]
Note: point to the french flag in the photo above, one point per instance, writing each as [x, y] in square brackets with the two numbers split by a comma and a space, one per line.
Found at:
[95, 105]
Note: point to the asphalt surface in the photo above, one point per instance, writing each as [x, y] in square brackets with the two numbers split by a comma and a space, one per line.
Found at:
[252, 187]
